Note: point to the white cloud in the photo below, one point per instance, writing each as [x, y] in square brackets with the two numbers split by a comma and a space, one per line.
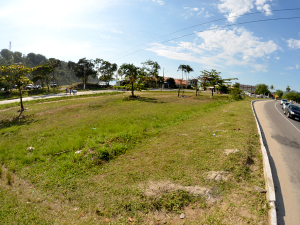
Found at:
[207, 14]
[221, 47]
[116, 31]
[292, 43]
[201, 11]
[191, 11]
[297, 66]
[159, 2]
[236, 8]
[289, 68]
[277, 58]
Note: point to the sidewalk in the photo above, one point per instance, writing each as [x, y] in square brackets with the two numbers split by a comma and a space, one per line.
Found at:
[53, 96]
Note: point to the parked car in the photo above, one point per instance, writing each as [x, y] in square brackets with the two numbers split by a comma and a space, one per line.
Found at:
[38, 86]
[53, 84]
[282, 101]
[293, 111]
[29, 87]
[284, 105]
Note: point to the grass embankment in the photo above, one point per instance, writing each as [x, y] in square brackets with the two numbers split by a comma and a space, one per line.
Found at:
[109, 159]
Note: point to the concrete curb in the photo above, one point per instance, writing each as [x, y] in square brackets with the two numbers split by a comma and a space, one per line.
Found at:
[267, 173]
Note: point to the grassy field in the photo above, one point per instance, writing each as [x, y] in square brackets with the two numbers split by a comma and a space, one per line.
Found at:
[108, 159]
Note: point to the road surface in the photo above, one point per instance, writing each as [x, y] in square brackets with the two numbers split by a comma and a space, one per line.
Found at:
[282, 138]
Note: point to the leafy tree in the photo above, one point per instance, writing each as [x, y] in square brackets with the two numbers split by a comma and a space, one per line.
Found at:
[171, 81]
[288, 89]
[292, 95]
[132, 73]
[33, 59]
[79, 69]
[262, 89]
[43, 73]
[152, 70]
[7, 56]
[54, 63]
[106, 70]
[279, 93]
[213, 78]
[271, 87]
[183, 69]
[18, 57]
[16, 74]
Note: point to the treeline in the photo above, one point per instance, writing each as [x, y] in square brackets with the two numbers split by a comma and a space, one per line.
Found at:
[63, 74]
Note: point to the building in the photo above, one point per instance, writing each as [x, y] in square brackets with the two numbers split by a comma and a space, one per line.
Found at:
[248, 88]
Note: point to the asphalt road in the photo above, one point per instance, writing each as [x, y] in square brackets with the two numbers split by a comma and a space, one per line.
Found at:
[282, 138]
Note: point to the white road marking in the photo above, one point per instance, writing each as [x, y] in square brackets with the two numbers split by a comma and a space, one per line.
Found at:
[286, 118]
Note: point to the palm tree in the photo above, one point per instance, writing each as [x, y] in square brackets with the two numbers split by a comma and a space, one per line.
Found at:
[188, 70]
[182, 68]
[288, 89]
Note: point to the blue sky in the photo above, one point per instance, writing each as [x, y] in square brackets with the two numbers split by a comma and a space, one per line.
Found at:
[265, 52]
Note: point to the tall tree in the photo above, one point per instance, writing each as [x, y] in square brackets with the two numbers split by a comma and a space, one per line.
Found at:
[188, 70]
[54, 64]
[43, 73]
[288, 89]
[183, 69]
[152, 68]
[262, 89]
[106, 70]
[17, 75]
[279, 93]
[213, 78]
[272, 87]
[83, 69]
[7, 56]
[132, 73]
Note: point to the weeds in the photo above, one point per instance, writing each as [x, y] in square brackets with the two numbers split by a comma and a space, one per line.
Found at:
[9, 178]
[95, 154]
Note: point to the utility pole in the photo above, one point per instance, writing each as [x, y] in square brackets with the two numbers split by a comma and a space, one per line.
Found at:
[10, 46]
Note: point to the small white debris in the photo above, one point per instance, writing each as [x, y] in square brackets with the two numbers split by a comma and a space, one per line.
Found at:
[30, 149]
[182, 216]
[77, 152]
[228, 151]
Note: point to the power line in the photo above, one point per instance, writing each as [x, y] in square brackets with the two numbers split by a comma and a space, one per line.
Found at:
[247, 14]
[254, 21]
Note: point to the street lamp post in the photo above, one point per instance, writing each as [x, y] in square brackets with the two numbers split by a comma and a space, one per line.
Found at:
[84, 71]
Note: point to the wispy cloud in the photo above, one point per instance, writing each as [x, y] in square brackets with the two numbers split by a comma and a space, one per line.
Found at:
[116, 31]
[195, 11]
[289, 68]
[220, 48]
[293, 43]
[236, 8]
[159, 2]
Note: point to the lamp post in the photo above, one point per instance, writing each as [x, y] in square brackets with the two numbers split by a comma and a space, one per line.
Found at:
[84, 71]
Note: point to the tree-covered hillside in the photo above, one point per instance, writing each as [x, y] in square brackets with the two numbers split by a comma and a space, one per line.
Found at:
[63, 74]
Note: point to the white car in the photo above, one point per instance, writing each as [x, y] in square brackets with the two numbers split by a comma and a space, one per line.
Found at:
[282, 101]
[284, 105]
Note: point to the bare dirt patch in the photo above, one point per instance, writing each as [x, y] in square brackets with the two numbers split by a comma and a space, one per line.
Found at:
[156, 189]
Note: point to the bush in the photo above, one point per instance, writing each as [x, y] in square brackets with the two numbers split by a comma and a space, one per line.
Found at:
[235, 94]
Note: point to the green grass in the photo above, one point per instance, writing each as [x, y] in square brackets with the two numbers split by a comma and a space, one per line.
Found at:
[125, 144]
